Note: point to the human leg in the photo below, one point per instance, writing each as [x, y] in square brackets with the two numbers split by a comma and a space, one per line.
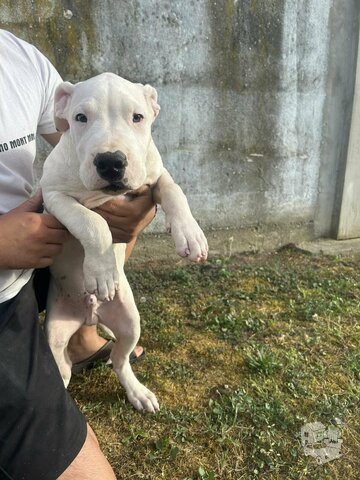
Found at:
[90, 462]
[41, 428]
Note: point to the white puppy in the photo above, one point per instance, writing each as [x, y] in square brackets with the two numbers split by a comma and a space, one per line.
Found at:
[106, 150]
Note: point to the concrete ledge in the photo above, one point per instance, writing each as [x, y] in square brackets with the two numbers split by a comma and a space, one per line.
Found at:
[327, 246]
[160, 247]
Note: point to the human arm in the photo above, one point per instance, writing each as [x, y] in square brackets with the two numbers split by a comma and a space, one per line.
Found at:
[52, 138]
[30, 239]
[128, 216]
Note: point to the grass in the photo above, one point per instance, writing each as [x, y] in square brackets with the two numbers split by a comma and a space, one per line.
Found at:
[241, 352]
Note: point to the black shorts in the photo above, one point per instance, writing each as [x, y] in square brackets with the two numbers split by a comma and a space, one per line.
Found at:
[41, 428]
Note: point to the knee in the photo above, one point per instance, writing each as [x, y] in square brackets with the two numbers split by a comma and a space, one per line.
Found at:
[131, 334]
[91, 437]
[90, 462]
[57, 341]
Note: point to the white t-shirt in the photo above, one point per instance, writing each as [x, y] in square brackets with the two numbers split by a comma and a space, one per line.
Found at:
[27, 86]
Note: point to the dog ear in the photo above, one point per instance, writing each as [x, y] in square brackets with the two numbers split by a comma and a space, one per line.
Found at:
[62, 98]
[151, 95]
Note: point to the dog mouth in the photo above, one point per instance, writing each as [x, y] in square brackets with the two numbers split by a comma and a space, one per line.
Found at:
[117, 188]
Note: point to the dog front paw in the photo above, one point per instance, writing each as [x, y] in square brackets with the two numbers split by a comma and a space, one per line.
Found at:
[101, 278]
[143, 399]
[189, 239]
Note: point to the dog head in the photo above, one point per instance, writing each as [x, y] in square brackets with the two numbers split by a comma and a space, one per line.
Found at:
[109, 120]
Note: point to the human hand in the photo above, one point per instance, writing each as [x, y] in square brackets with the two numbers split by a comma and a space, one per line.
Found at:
[29, 239]
[128, 216]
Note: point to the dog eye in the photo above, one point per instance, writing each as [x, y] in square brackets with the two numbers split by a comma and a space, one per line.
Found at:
[137, 117]
[80, 117]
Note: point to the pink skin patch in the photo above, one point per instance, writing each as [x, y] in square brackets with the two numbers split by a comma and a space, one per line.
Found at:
[91, 304]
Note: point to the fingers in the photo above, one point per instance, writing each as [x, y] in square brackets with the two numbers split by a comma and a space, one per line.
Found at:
[33, 204]
[119, 208]
[141, 204]
[128, 215]
[109, 215]
[48, 253]
[29, 239]
[51, 250]
[56, 233]
[57, 237]
[52, 222]
[131, 204]
[123, 236]
[143, 191]
[45, 262]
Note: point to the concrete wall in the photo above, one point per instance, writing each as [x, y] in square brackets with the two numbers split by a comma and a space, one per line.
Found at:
[248, 88]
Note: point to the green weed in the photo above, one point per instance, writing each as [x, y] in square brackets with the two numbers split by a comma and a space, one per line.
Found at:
[242, 352]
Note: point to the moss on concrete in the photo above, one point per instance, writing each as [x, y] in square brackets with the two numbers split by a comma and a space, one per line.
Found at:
[67, 42]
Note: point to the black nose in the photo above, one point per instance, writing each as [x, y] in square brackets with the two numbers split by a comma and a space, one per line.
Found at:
[111, 165]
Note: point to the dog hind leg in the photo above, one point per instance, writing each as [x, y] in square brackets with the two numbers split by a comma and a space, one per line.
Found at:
[122, 317]
[63, 319]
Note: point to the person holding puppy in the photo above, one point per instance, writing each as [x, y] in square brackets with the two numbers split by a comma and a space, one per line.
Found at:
[43, 435]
